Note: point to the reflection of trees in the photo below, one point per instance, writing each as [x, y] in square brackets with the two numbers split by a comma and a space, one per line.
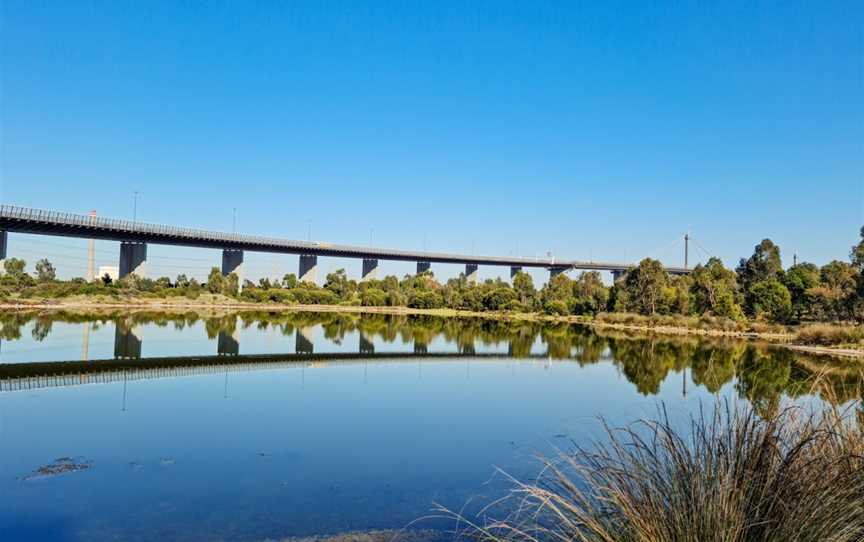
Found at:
[41, 329]
[713, 366]
[645, 362]
[763, 376]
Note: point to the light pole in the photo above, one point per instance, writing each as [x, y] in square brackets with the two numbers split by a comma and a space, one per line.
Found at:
[371, 230]
[234, 220]
[134, 206]
[309, 230]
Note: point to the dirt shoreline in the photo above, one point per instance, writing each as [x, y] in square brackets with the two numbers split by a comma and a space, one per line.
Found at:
[779, 339]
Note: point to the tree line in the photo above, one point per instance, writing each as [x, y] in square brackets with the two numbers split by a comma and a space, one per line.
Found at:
[759, 288]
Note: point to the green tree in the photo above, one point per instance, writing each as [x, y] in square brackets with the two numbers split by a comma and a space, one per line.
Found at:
[526, 293]
[215, 281]
[338, 283]
[590, 295]
[373, 297]
[14, 267]
[764, 265]
[290, 281]
[714, 290]
[45, 272]
[771, 298]
[231, 286]
[799, 279]
[648, 288]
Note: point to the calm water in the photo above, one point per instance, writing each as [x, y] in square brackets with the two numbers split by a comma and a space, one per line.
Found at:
[257, 426]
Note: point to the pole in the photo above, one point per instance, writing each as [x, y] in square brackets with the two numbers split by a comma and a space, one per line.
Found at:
[686, 249]
[91, 249]
[135, 207]
[234, 220]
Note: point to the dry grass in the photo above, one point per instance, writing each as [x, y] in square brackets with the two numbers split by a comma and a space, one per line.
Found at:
[830, 335]
[796, 476]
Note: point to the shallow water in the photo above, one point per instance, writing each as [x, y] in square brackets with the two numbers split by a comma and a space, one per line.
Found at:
[265, 426]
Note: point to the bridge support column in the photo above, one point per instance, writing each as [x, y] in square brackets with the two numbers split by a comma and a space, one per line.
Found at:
[366, 346]
[133, 256]
[514, 270]
[555, 271]
[618, 274]
[370, 269]
[471, 272]
[308, 265]
[4, 240]
[303, 343]
[423, 267]
[232, 262]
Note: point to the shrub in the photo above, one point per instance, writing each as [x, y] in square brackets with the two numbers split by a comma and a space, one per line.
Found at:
[824, 334]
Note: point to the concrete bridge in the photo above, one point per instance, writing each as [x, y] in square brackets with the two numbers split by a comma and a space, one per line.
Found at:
[134, 236]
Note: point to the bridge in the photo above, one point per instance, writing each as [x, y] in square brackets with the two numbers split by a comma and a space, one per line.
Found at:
[134, 236]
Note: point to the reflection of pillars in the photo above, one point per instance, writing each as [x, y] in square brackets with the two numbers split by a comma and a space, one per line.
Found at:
[85, 350]
[127, 344]
[303, 341]
[468, 349]
[684, 382]
[227, 343]
[420, 348]
[510, 349]
[366, 346]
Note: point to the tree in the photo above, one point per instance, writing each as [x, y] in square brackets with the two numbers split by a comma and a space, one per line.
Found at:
[764, 265]
[45, 271]
[231, 286]
[182, 281]
[14, 267]
[338, 283]
[373, 297]
[215, 281]
[799, 279]
[590, 295]
[523, 284]
[106, 279]
[771, 298]
[714, 290]
[833, 298]
[290, 281]
[648, 288]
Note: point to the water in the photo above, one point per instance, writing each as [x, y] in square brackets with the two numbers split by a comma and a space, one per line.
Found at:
[266, 426]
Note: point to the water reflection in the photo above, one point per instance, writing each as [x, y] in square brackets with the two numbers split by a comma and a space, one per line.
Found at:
[761, 374]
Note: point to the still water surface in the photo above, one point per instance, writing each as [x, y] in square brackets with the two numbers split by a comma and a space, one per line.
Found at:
[265, 426]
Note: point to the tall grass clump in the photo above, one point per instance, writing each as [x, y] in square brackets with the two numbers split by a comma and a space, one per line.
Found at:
[730, 476]
[825, 334]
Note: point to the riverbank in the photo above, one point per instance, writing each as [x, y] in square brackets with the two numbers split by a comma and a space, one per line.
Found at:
[785, 336]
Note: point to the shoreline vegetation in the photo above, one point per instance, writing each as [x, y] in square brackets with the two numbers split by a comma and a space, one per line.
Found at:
[818, 310]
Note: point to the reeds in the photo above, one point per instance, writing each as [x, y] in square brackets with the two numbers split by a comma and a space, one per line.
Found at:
[830, 334]
[727, 476]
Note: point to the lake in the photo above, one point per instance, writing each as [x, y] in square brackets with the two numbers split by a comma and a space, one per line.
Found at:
[265, 426]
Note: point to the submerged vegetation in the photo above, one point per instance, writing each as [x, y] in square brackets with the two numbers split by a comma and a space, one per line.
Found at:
[730, 476]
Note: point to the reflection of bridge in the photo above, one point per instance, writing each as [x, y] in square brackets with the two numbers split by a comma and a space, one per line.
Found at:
[134, 237]
[28, 376]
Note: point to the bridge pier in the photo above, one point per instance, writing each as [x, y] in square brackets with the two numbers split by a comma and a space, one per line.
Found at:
[514, 270]
[308, 265]
[232, 262]
[303, 343]
[370, 269]
[555, 271]
[127, 343]
[366, 346]
[4, 240]
[133, 256]
[618, 274]
[227, 343]
[423, 267]
[471, 272]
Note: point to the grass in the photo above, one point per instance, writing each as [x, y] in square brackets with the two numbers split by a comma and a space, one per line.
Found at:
[730, 476]
[830, 335]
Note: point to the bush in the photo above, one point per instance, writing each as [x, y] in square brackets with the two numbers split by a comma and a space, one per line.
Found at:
[823, 334]
[373, 297]
[555, 307]
[731, 476]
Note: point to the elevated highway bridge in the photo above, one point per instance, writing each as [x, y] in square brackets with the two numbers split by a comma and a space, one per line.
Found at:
[134, 236]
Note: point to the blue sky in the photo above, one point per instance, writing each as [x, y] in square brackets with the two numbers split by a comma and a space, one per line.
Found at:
[598, 130]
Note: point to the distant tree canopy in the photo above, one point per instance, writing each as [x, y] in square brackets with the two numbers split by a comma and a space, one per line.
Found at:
[759, 288]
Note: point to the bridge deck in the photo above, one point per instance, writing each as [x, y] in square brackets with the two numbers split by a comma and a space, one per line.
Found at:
[43, 222]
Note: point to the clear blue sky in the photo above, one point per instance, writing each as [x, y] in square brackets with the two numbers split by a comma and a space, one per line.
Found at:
[593, 129]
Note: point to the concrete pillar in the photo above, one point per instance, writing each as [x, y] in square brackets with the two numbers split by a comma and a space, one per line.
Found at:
[133, 256]
[422, 267]
[370, 269]
[514, 270]
[420, 348]
[471, 272]
[232, 262]
[127, 343]
[618, 274]
[308, 265]
[555, 271]
[4, 240]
